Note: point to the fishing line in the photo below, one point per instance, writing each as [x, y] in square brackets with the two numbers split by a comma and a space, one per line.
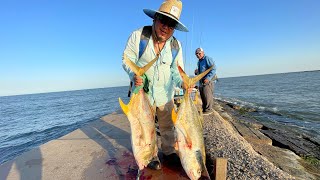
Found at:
[191, 43]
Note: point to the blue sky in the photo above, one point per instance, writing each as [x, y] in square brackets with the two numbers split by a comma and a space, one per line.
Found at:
[48, 46]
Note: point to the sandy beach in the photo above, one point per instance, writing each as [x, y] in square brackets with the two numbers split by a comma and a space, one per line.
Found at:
[102, 150]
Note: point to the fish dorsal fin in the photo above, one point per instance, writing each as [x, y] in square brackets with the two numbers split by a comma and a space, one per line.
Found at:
[187, 137]
[188, 140]
[136, 69]
[191, 81]
[174, 116]
[124, 107]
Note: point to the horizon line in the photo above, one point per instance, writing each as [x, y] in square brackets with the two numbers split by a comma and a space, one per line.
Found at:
[127, 85]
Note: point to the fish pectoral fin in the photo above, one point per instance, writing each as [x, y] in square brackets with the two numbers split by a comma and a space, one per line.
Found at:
[176, 147]
[124, 107]
[174, 116]
[187, 138]
[199, 158]
[201, 161]
[188, 142]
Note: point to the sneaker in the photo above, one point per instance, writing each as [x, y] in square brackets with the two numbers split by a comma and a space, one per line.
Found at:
[207, 112]
[172, 159]
[155, 165]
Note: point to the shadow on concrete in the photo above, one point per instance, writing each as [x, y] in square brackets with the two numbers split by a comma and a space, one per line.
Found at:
[112, 136]
[115, 141]
[28, 166]
[101, 131]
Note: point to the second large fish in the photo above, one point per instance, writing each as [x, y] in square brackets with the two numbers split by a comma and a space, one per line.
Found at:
[189, 130]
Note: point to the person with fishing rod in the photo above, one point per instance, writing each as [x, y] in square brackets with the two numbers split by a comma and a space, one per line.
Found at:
[206, 87]
[160, 80]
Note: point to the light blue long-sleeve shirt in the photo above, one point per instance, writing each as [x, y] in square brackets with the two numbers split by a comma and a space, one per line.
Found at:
[163, 76]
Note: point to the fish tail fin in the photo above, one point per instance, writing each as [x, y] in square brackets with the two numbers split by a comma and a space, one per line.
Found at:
[186, 80]
[124, 107]
[139, 71]
[191, 81]
[198, 77]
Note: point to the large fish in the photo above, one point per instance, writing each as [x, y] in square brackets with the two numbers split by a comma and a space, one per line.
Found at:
[189, 130]
[142, 120]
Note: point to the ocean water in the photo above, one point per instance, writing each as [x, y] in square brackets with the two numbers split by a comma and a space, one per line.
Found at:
[291, 100]
[287, 100]
[27, 121]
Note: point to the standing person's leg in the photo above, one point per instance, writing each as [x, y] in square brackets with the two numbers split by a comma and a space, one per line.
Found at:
[212, 89]
[203, 98]
[168, 138]
[208, 95]
[166, 128]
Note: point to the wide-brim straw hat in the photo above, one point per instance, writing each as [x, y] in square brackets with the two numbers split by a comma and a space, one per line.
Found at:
[171, 9]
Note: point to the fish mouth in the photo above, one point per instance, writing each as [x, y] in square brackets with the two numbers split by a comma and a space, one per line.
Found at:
[194, 176]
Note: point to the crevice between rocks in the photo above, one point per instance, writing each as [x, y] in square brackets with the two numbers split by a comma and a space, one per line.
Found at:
[210, 165]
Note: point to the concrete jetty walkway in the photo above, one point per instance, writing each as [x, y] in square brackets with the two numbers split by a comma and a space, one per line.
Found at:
[99, 150]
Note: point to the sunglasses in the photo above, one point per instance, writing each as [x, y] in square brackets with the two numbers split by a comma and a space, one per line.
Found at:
[198, 53]
[166, 21]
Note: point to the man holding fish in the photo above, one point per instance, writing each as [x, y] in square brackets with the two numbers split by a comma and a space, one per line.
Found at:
[153, 58]
[163, 76]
